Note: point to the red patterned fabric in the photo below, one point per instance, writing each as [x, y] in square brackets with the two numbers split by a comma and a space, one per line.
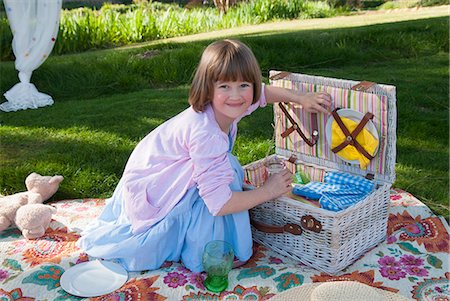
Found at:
[413, 261]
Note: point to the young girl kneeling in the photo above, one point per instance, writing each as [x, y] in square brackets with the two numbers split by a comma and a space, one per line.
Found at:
[181, 186]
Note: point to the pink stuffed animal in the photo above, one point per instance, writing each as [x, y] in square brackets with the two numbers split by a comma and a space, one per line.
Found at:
[8, 208]
[17, 208]
[34, 219]
[41, 188]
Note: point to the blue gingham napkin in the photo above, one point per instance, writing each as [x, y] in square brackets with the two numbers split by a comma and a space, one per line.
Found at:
[338, 191]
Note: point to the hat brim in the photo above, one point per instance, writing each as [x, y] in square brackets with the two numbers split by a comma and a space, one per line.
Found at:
[304, 292]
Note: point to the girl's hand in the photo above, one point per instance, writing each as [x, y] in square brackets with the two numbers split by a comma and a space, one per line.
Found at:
[316, 102]
[278, 184]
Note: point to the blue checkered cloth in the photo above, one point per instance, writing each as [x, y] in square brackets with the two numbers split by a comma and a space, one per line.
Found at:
[338, 191]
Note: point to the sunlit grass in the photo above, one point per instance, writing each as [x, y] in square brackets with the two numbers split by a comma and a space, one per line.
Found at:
[107, 101]
[115, 25]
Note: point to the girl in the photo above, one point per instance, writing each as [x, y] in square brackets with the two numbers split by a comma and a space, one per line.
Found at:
[181, 186]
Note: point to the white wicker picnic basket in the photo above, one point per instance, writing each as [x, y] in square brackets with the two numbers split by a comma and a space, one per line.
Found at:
[326, 240]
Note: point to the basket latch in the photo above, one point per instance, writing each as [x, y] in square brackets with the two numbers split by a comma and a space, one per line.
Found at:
[351, 137]
[295, 127]
[292, 159]
[289, 227]
[370, 176]
[310, 223]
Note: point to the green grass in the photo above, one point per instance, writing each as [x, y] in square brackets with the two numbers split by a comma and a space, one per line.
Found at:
[106, 101]
[110, 26]
[411, 3]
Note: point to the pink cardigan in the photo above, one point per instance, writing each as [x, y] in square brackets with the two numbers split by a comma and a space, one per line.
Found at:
[186, 150]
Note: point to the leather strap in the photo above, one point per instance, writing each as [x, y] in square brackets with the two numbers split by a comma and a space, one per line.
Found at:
[295, 127]
[290, 228]
[363, 86]
[351, 137]
[279, 75]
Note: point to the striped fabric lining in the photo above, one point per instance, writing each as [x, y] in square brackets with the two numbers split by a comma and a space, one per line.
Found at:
[342, 98]
[256, 173]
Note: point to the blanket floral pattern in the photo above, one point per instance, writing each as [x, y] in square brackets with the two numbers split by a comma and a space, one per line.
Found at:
[413, 261]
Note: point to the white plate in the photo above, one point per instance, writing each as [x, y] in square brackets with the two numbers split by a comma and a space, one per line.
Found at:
[357, 117]
[93, 278]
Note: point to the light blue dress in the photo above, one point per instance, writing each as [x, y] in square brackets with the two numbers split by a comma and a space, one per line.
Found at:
[181, 235]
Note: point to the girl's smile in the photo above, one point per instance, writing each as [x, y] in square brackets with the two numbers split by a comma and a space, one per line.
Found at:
[230, 100]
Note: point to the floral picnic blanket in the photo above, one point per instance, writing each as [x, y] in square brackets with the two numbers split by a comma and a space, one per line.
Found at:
[413, 261]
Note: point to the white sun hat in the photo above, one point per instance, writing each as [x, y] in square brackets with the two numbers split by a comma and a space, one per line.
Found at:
[338, 291]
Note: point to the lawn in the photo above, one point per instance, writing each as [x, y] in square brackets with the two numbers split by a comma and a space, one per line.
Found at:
[106, 101]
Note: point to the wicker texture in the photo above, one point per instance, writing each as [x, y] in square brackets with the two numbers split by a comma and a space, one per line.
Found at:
[347, 234]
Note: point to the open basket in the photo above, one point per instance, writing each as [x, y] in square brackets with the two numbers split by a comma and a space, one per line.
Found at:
[326, 240]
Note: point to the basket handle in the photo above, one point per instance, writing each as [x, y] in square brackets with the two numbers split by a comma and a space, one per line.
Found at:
[289, 227]
[295, 127]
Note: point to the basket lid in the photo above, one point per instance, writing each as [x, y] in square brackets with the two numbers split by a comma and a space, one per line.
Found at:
[359, 137]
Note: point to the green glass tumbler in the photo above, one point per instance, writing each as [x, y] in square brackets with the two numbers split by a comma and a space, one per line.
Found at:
[217, 258]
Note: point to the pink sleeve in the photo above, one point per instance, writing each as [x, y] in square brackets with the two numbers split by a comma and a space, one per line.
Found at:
[212, 170]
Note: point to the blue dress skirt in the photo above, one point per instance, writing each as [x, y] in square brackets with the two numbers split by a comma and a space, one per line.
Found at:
[181, 235]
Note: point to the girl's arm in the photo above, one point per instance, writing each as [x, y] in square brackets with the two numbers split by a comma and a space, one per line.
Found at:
[312, 102]
[277, 185]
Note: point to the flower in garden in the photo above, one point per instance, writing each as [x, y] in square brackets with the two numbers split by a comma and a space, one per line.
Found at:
[3, 275]
[388, 261]
[175, 279]
[392, 273]
[410, 260]
[416, 271]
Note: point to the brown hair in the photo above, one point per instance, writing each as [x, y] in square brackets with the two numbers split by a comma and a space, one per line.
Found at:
[226, 60]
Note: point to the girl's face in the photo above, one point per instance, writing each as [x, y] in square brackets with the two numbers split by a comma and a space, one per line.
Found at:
[230, 101]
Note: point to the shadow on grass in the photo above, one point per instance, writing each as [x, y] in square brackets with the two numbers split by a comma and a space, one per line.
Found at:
[95, 95]
[90, 166]
[122, 71]
[131, 115]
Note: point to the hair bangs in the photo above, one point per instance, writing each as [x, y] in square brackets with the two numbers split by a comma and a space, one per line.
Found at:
[234, 65]
[232, 70]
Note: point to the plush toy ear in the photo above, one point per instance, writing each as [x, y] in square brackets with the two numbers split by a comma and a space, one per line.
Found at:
[29, 181]
[56, 179]
[31, 176]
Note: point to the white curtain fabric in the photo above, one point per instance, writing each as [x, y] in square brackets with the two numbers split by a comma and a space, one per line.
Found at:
[34, 25]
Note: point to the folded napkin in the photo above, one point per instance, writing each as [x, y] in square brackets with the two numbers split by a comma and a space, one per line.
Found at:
[365, 139]
[338, 191]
